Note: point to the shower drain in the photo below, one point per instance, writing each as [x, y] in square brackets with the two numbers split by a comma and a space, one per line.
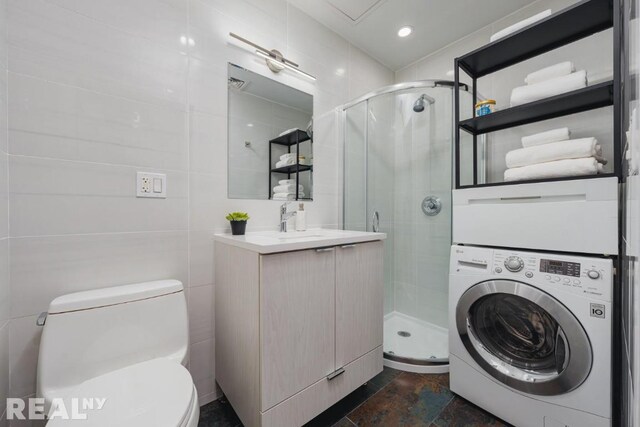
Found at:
[404, 334]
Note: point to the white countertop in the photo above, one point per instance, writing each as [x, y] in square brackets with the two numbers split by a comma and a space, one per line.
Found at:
[268, 242]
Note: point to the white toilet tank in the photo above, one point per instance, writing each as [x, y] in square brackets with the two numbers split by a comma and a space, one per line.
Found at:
[91, 333]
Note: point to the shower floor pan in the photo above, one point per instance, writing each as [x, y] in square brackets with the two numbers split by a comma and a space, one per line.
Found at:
[414, 345]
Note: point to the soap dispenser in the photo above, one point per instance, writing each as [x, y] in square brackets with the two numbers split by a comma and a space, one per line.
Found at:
[301, 220]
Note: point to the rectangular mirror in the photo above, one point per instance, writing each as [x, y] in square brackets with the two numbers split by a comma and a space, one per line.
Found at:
[270, 152]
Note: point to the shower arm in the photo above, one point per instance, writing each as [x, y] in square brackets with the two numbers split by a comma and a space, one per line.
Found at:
[429, 99]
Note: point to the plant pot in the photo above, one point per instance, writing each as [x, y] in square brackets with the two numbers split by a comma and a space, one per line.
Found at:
[238, 227]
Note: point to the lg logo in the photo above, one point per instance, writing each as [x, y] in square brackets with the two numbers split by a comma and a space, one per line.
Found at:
[597, 310]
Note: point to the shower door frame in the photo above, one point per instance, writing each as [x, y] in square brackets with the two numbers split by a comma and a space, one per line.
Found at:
[426, 84]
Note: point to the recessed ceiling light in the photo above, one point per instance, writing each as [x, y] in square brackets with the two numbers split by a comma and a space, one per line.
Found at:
[405, 31]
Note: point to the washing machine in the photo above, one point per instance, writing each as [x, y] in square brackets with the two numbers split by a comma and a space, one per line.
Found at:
[530, 335]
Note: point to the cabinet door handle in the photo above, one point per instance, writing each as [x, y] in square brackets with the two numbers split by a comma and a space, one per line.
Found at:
[335, 374]
[325, 250]
[347, 246]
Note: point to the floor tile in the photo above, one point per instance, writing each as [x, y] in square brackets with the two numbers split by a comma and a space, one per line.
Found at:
[460, 413]
[384, 377]
[218, 413]
[409, 400]
[344, 423]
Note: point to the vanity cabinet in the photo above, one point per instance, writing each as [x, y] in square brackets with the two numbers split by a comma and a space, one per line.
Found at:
[296, 331]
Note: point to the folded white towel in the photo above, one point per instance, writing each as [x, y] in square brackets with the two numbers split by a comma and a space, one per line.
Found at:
[557, 169]
[520, 25]
[288, 156]
[525, 94]
[551, 72]
[286, 162]
[284, 197]
[571, 149]
[287, 195]
[286, 181]
[288, 131]
[287, 188]
[553, 135]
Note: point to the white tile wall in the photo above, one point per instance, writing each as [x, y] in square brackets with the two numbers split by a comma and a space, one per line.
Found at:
[100, 90]
[4, 220]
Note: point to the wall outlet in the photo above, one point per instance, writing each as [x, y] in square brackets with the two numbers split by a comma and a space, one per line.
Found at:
[152, 185]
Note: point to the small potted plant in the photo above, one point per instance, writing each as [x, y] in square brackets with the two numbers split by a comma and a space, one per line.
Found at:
[238, 222]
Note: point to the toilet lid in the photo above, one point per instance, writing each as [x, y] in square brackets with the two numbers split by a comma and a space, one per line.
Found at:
[154, 393]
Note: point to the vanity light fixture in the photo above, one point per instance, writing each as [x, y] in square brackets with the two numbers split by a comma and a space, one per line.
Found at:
[405, 31]
[275, 61]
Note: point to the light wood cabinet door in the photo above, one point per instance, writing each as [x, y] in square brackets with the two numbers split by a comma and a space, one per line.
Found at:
[359, 300]
[297, 322]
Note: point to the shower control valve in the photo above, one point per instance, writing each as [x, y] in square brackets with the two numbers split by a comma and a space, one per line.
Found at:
[514, 264]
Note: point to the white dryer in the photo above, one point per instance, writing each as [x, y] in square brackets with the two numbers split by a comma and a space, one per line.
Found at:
[530, 335]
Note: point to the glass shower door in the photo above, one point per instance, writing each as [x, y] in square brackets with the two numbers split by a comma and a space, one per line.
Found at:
[397, 179]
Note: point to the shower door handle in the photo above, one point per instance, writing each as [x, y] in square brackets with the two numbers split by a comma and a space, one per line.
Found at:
[375, 222]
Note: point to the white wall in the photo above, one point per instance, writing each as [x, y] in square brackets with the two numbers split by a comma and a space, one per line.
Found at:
[4, 223]
[595, 54]
[100, 90]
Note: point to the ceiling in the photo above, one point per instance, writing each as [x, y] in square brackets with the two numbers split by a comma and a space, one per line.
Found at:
[372, 25]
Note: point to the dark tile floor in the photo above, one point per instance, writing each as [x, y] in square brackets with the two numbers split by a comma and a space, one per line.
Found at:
[392, 398]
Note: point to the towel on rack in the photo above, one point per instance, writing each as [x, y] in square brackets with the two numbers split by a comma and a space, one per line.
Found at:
[287, 188]
[570, 149]
[530, 93]
[551, 72]
[291, 156]
[287, 195]
[520, 25]
[286, 162]
[288, 131]
[553, 135]
[557, 169]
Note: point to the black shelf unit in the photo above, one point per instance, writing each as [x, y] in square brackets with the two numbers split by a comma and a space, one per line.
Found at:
[289, 140]
[292, 169]
[589, 98]
[578, 21]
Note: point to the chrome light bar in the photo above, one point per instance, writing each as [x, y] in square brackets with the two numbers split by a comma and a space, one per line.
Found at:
[275, 61]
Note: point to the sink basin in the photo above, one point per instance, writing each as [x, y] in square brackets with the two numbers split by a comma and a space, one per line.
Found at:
[299, 235]
[265, 242]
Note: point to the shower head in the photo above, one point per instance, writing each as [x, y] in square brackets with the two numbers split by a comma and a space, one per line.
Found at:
[418, 106]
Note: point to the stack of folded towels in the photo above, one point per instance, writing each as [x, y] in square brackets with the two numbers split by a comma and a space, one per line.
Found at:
[520, 25]
[286, 190]
[289, 159]
[550, 81]
[552, 154]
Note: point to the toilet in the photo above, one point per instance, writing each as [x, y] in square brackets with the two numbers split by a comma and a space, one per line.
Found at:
[126, 344]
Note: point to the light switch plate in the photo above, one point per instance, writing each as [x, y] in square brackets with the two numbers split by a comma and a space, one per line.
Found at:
[152, 185]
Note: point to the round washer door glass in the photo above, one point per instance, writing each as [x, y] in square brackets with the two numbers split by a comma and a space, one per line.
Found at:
[524, 337]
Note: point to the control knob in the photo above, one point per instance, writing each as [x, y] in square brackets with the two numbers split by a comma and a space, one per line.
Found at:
[514, 264]
[593, 274]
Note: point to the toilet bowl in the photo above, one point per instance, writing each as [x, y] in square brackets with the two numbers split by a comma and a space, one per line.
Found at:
[117, 354]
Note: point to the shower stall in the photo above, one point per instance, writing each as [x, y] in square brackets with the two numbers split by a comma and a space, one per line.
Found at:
[398, 169]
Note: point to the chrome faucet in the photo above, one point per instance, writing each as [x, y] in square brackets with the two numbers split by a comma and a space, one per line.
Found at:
[284, 216]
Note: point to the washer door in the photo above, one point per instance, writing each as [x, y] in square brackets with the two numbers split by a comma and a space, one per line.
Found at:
[523, 337]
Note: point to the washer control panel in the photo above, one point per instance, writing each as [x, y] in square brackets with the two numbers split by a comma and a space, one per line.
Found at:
[590, 276]
[514, 264]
